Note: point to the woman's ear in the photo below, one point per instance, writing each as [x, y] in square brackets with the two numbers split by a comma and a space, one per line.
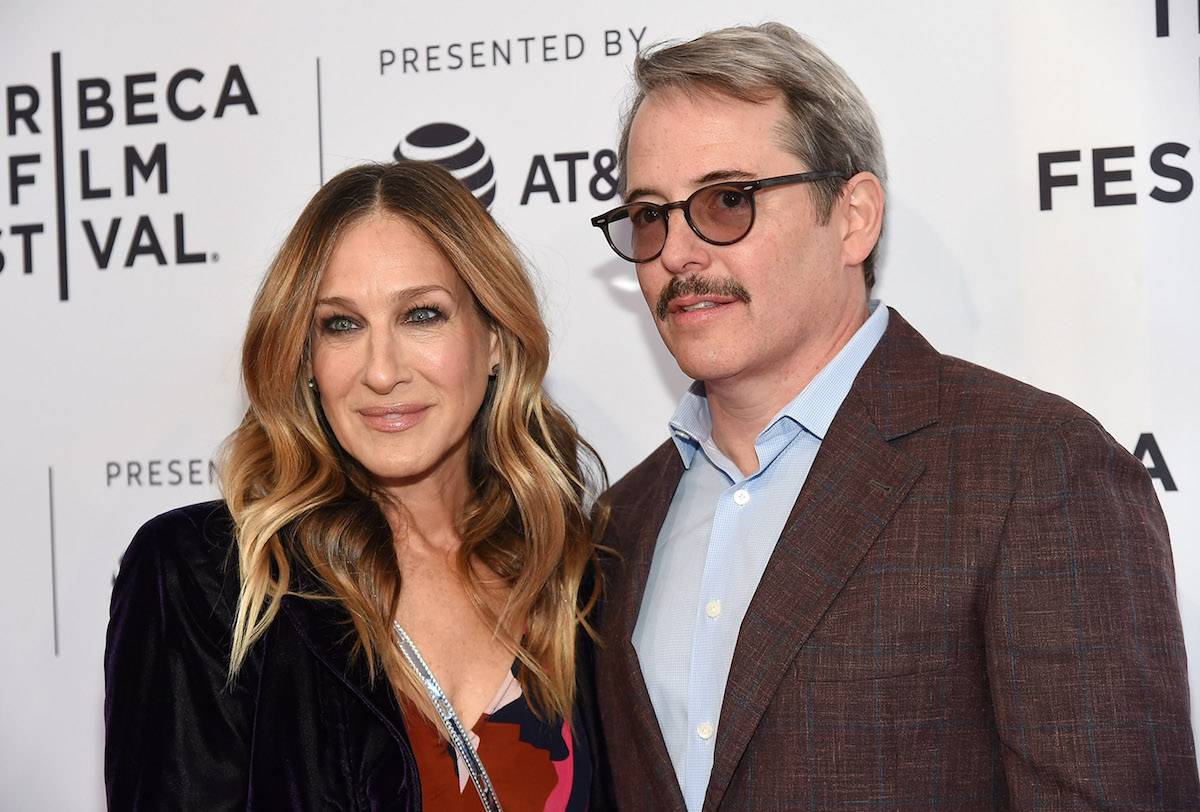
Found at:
[494, 350]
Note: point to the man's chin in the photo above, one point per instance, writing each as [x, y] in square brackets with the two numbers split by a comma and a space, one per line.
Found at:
[705, 369]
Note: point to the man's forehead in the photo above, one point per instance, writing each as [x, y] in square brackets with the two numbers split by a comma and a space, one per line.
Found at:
[705, 116]
[680, 139]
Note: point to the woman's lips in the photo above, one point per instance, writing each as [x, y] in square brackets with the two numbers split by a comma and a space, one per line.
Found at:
[393, 418]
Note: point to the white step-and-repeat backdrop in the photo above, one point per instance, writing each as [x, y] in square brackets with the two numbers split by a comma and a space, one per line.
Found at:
[1043, 220]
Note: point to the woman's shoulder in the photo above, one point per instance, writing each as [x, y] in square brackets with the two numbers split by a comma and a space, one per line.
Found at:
[204, 524]
[190, 551]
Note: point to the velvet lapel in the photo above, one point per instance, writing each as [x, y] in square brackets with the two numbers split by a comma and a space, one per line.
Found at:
[327, 632]
[855, 486]
[638, 523]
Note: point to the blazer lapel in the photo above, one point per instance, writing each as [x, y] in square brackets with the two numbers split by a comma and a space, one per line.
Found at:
[638, 524]
[326, 631]
[855, 486]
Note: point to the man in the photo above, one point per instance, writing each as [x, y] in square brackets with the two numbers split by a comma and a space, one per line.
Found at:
[859, 574]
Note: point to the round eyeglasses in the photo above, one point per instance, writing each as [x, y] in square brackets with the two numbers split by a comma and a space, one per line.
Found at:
[721, 214]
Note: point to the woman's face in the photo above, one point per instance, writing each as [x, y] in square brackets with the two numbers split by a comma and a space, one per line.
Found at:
[400, 352]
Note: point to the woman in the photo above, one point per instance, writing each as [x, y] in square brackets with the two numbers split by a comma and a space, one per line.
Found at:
[400, 498]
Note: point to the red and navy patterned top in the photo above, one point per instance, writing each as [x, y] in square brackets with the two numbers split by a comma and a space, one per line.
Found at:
[535, 766]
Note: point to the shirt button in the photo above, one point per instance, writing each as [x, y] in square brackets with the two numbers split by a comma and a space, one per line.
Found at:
[705, 730]
[713, 608]
[741, 497]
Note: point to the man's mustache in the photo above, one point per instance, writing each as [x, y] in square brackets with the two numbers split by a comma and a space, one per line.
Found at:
[698, 286]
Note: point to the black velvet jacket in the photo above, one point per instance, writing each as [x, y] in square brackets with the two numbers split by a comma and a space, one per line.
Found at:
[300, 728]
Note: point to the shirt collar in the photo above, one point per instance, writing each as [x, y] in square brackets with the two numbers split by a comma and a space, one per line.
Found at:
[813, 408]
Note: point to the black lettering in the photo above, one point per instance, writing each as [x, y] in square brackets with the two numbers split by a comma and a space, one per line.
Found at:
[15, 179]
[22, 113]
[431, 58]
[144, 242]
[26, 232]
[133, 99]
[1102, 176]
[1148, 446]
[539, 166]
[454, 51]
[1048, 181]
[525, 41]
[102, 255]
[176, 474]
[1162, 18]
[89, 100]
[578, 40]
[549, 44]
[612, 42]
[386, 57]
[182, 257]
[181, 113]
[133, 473]
[1176, 173]
[410, 59]
[235, 91]
[477, 54]
[157, 162]
[85, 178]
[505, 53]
[194, 473]
[112, 470]
[153, 472]
[213, 473]
[637, 38]
[570, 159]
[605, 164]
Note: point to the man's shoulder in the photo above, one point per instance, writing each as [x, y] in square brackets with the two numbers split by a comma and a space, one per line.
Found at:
[905, 367]
[975, 395]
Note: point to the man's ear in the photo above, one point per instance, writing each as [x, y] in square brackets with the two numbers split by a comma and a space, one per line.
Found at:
[861, 209]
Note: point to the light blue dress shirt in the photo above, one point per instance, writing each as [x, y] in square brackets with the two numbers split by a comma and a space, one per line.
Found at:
[720, 530]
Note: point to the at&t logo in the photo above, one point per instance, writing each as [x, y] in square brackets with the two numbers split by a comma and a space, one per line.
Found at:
[453, 148]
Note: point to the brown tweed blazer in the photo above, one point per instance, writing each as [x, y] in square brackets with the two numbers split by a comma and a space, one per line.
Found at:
[971, 606]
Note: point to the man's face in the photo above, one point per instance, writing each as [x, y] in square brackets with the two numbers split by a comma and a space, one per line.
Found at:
[777, 303]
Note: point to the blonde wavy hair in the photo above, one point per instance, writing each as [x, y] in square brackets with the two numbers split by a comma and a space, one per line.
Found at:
[298, 500]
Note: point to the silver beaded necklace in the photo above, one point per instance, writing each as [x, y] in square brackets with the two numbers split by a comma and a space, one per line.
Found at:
[450, 721]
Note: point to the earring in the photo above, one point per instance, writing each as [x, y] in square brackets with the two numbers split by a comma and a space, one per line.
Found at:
[312, 384]
[495, 371]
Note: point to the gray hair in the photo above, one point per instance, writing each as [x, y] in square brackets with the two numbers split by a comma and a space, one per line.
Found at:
[830, 126]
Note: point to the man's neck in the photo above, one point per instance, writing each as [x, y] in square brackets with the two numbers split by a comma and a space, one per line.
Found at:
[741, 406]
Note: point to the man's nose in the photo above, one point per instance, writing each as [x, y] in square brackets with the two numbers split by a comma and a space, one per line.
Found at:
[683, 251]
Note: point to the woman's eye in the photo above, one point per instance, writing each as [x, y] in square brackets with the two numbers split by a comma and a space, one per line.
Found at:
[338, 324]
[424, 315]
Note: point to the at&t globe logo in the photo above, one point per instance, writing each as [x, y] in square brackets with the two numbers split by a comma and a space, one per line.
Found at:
[453, 148]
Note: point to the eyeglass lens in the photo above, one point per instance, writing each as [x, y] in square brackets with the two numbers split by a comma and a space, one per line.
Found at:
[721, 214]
